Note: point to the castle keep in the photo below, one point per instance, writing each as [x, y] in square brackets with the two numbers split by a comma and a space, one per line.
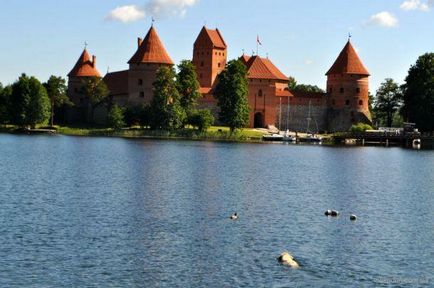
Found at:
[271, 102]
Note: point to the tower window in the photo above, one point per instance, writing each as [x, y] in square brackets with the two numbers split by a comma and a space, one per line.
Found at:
[142, 94]
[219, 65]
[331, 90]
[140, 82]
[201, 64]
[333, 102]
[347, 102]
[342, 90]
[361, 102]
[357, 90]
[260, 93]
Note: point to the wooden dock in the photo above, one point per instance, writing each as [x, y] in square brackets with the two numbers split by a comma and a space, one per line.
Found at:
[385, 138]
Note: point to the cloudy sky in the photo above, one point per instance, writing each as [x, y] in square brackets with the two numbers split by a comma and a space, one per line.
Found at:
[302, 37]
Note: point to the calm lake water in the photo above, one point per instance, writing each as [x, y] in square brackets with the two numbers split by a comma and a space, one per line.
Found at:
[104, 212]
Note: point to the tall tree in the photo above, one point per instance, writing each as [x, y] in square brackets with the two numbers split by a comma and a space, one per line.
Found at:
[5, 104]
[166, 110]
[115, 117]
[388, 101]
[231, 94]
[56, 90]
[30, 104]
[188, 86]
[96, 93]
[419, 93]
[292, 83]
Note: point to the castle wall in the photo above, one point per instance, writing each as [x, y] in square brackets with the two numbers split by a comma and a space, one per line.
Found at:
[140, 83]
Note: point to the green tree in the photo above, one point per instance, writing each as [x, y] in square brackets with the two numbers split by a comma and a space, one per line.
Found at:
[388, 100]
[30, 104]
[96, 92]
[292, 83]
[308, 88]
[231, 94]
[5, 104]
[188, 86]
[419, 93]
[201, 119]
[166, 110]
[56, 90]
[115, 117]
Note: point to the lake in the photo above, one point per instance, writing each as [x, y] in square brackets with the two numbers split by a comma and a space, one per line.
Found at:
[107, 212]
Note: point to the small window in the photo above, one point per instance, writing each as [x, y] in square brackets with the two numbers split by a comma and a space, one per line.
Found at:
[219, 65]
[342, 90]
[360, 102]
[142, 94]
[215, 53]
[333, 102]
[201, 64]
[330, 90]
[357, 90]
[260, 93]
[347, 102]
[140, 82]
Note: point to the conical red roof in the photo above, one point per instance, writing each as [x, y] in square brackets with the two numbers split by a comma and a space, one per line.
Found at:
[348, 62]
[151, 50]
[85, 67]
[212, 36]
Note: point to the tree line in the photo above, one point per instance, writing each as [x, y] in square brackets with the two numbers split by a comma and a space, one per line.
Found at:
[28, 102]
[412, 101]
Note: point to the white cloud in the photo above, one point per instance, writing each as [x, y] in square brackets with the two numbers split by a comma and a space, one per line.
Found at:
[125, 14]
[385, 19]
[155, 8]
[417, 5]
[308, 62]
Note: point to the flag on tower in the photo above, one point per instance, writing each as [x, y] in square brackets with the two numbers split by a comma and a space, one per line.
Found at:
[258, 40]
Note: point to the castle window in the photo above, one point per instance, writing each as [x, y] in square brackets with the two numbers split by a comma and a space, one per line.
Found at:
[142, 94]
[260, 93]
[347, 102]
[140, 82]
[215, 53]
[342, 90]
[361, 102]
[333, 102]
[331, 89]
[201, 64]
[357, 90]
[219, 65]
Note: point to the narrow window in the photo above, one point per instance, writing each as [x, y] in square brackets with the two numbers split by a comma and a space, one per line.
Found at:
[357, 90]
[331, 89]
[333, 102]
[219, 65]
[347, 102]
[140, 82]
[361, 102]
[142, 94]
[201, 64]
[260, 93]
[342, 90]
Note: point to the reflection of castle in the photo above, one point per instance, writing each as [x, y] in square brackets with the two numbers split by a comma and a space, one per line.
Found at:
[345, 103]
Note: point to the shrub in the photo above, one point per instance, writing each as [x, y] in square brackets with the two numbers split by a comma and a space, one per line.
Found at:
[115, 118]
[360, 127]
[138, 115]
[201, 119]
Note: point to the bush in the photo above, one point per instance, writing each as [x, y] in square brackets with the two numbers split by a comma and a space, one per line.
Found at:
[360, 127]
[201, 119]
[138, 115]
[115, 118]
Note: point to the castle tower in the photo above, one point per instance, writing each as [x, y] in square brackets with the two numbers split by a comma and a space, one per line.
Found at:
[348, 91]
[209, 56]
[83, 69]
[150, 55]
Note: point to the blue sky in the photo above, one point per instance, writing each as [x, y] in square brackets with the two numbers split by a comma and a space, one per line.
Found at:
[302, 37]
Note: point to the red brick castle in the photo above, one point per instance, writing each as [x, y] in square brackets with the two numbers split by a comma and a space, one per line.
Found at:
[271, 102]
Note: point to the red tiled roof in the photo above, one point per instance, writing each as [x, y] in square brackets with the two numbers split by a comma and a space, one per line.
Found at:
[85, 67]
[283, 93]
[151, 50]
[205, 90]
[348, 62]
[214, 36]
[260, 68]
[117, 82]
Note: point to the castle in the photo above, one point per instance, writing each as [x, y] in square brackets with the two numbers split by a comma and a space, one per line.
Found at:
[271, 102]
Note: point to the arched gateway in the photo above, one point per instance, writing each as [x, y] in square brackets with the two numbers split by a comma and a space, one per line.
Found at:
[259, 120]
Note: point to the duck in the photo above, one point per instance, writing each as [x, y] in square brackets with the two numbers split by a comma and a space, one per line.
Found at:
[288, 260]
[234, 216]
[353, 217]
[332, 213]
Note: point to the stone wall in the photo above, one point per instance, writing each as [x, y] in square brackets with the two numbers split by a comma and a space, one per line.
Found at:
[296, 119]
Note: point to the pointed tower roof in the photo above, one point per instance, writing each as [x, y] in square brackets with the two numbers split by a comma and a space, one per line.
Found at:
[348, 62]
[85, 66]
[151, 50]
[213, 36]
[260, 68]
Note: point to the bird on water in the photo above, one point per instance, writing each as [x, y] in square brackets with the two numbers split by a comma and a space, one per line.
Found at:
[234, 216]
